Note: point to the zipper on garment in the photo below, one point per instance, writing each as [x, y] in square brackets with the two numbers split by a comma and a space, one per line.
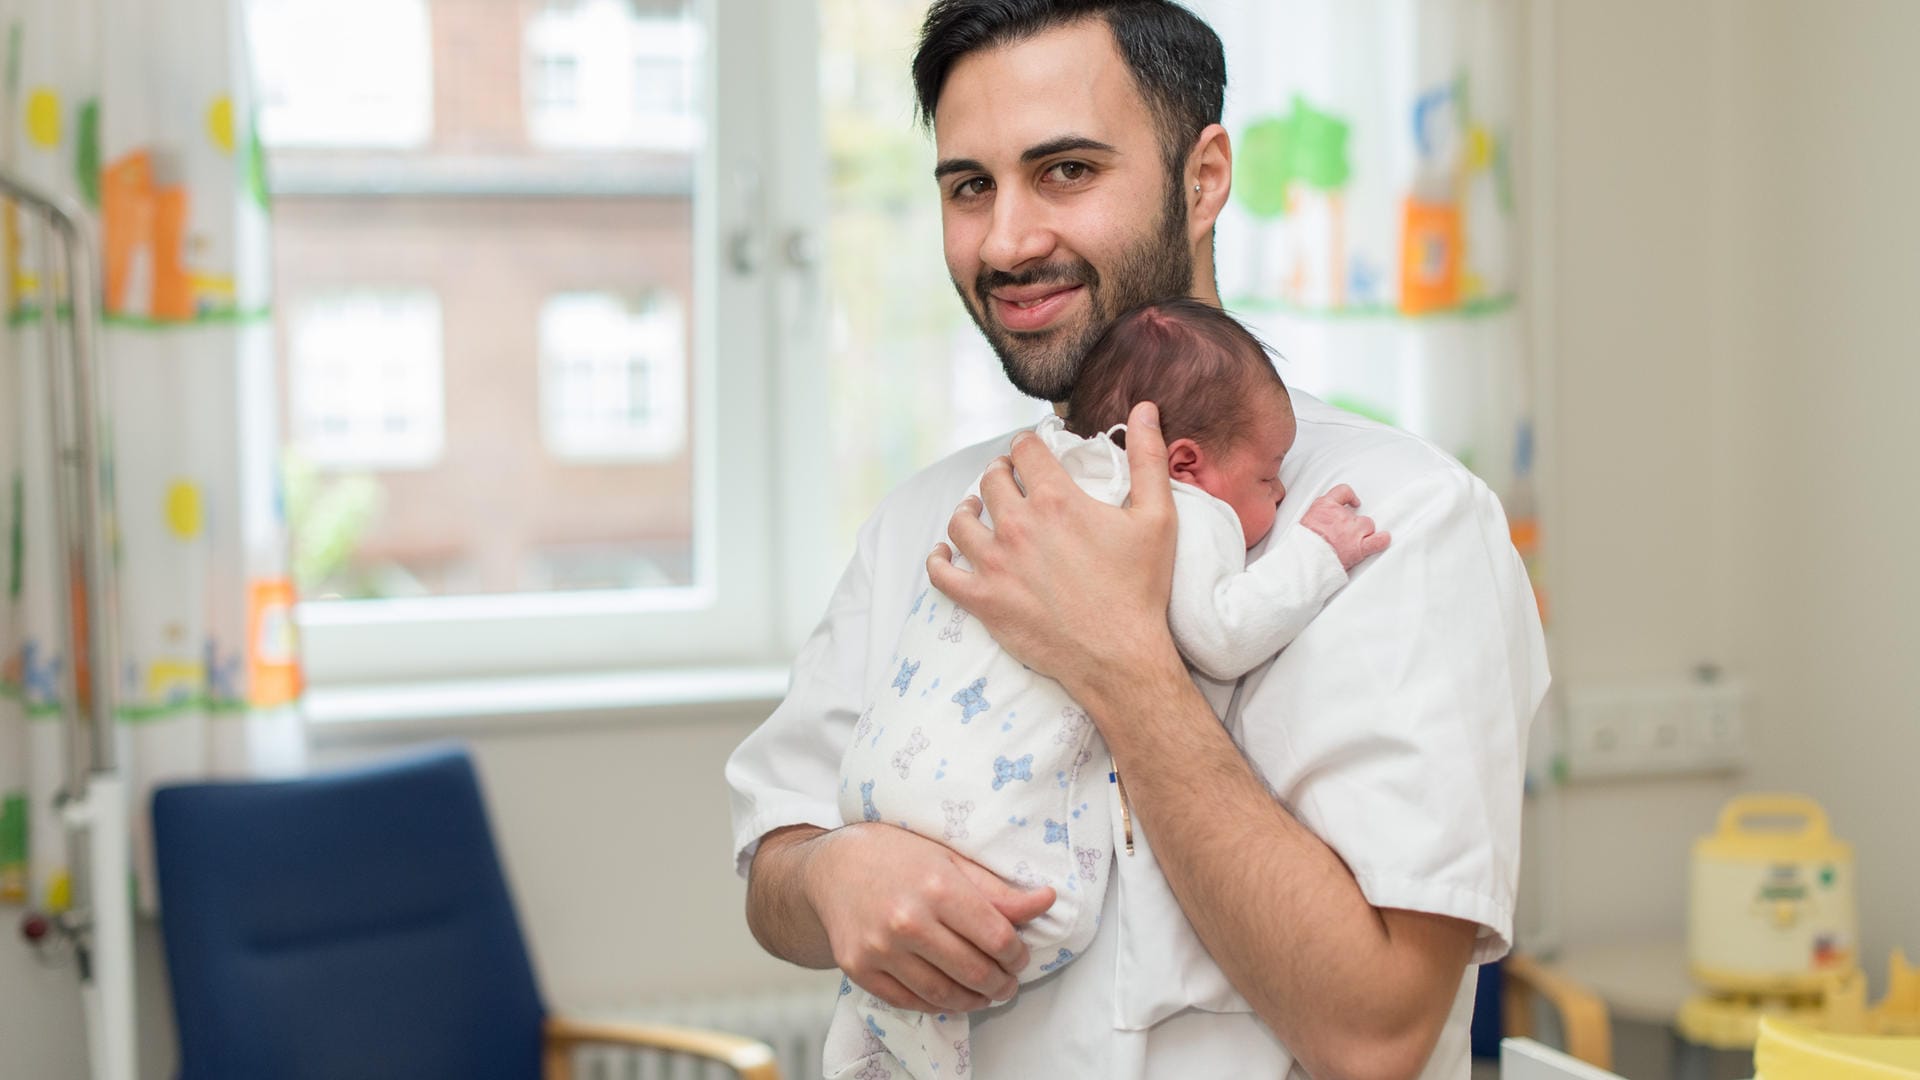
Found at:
[1126, 811]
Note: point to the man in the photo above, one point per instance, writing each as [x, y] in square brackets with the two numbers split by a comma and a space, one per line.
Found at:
[1320, 863]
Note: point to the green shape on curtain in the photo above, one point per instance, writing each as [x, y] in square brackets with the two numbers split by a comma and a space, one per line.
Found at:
[13, 829]
[1358, 407]
[13, 56]
[146, 714]
[1306, 146]
[255, 164]
[86, 159]
[17, 538]
[1263, 165]
[1477, 308]
[1320, 147]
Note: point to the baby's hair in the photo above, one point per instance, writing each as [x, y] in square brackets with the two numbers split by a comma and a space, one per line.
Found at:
[1195, 361]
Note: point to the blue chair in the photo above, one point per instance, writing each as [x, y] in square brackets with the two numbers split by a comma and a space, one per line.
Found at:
[358, 925]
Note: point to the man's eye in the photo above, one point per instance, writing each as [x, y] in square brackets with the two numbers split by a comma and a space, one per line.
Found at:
[1071, 170]
[975, 185]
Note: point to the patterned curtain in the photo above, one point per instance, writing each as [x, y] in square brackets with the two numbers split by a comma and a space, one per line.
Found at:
[1372, 236]
[139, 111]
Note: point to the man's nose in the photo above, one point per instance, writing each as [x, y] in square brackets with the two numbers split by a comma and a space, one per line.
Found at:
[1019, 234]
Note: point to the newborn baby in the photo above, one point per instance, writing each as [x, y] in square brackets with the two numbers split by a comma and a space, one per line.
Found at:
[967, 746]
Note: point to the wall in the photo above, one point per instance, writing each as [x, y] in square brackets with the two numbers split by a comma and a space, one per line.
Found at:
[1629, 457]
[1733, 363]
[1820, 380]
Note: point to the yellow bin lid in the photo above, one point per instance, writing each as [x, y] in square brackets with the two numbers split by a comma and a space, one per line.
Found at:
[1789, 1052]
[1805, 839]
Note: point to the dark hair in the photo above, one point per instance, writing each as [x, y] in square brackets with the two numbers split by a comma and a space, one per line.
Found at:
[1175, 57]
[1193, 360]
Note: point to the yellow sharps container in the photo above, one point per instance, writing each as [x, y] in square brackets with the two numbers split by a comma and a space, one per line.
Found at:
[1788, 1052]
[1772, 907]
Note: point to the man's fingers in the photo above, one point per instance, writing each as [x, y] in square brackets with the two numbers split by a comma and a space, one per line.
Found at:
[1038, 469]
[948, 578]
[890, 990]
[998, 488]
[1022, 906]
[969, 534]
[930, 984]
[1147, 458]
[969, 967]
[990, 928]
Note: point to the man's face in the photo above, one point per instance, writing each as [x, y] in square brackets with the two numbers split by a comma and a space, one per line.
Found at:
[1056, 206]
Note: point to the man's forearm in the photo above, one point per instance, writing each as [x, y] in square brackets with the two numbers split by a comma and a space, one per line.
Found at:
[778, 912]
[1277, 909]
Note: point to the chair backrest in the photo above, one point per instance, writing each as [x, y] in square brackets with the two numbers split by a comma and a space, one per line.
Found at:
[350, 925]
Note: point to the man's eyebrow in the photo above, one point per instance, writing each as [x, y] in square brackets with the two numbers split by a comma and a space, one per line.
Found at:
[954, 165]
[1063, 144]
[1032, 153]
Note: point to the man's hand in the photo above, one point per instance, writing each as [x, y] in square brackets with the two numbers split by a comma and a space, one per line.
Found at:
[1336, 518]
[915, 924]
[1072, 587]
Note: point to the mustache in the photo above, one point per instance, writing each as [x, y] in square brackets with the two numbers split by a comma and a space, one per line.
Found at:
[1074, 273]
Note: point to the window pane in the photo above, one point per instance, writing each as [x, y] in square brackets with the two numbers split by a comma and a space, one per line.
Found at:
[907, 361]
[483, 255]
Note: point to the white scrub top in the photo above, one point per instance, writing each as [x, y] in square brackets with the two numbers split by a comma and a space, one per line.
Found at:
[1394, 727]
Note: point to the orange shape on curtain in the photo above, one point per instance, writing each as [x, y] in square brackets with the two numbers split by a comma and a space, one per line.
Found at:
[1430, 245]
[273, 662]
[142, 217]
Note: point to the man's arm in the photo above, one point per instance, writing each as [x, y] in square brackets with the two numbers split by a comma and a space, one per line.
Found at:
[907, 919]
[1350, 989]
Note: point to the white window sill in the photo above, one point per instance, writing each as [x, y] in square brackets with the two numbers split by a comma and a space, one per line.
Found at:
[412, 711]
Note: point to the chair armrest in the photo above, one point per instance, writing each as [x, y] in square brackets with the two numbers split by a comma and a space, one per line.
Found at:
[752, 1059]
[1584, 1016]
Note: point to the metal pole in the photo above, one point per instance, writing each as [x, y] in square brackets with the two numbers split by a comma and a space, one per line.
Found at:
[94, 805]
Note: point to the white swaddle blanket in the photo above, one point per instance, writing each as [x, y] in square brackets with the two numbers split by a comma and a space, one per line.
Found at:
[968, 746]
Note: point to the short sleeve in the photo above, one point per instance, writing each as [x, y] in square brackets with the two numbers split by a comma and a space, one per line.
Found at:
[787, 771]
[1395, 725]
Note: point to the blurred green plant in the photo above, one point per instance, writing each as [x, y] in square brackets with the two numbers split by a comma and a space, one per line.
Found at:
[327, 518]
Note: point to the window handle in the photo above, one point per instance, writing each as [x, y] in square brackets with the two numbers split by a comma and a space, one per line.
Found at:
[802, 249]
[745, 250]
[746, 244]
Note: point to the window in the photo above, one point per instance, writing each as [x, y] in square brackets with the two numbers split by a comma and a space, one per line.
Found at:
[610, 73]
[904, 356]
[353, 73]
[366, 383]
[613, 378]
[548, 452]
[554, 78]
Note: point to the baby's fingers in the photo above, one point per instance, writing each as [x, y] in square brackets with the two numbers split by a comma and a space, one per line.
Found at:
[1374, 544]
[1342, 495]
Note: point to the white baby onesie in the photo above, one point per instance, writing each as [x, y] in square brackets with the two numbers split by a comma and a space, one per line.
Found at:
[968, 746]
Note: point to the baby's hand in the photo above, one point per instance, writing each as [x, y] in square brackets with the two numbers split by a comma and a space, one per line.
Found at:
[1332, 516]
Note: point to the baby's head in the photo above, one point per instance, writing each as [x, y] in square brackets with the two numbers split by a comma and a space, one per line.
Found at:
[1223, 410]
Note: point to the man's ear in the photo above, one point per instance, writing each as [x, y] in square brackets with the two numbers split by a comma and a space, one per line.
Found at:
[1185, 462]
[1210, 170]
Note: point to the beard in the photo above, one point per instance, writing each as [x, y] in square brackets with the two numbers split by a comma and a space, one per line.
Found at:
[1043, 364]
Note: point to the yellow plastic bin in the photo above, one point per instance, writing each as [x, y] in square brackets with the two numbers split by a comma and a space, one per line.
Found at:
[1787, 1052]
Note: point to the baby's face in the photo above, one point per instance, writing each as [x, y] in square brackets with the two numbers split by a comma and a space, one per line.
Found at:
[1247, 476]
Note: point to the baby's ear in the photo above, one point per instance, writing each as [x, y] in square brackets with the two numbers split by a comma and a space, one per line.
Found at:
[1185, 461]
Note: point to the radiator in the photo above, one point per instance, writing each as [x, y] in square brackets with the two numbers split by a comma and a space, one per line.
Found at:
[793, 1022]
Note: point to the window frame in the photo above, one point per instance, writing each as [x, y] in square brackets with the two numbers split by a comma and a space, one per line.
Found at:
[762, 564]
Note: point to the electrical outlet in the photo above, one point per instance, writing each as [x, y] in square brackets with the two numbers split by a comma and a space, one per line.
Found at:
[1654, 729]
